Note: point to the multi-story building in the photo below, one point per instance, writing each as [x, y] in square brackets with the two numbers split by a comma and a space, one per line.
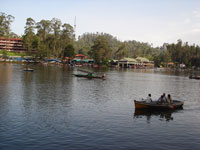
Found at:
[12, 44]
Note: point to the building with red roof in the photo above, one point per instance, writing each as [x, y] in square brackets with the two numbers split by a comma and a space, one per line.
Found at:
[80, 56]
[12, 44]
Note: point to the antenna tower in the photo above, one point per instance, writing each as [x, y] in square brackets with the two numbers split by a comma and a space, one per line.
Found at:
[75, 24]
[75, 27]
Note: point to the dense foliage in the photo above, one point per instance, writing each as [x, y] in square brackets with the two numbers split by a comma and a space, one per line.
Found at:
[5, 22]
[119, 49]
[184, 53]
[100, 51]
[51, 38]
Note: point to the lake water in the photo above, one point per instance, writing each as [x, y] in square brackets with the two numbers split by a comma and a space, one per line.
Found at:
[51, 109]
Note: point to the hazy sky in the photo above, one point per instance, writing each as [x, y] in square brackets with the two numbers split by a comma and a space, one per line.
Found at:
[152, 21]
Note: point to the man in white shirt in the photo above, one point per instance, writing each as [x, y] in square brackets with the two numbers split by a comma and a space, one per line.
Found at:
[148, 99]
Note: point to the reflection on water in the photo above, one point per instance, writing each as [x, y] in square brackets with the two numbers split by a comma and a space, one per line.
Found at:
[163, 115]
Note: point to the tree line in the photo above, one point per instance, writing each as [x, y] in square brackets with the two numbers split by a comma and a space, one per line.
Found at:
[52, 38]
[184, 53]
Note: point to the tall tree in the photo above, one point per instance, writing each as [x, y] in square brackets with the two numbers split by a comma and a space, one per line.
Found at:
[56, 43]
[100, 51]
[29, 34]
[5, 21]
[121, 52]
[44, 28]
[69, 51]
[68, 32]
[43, 31]
[67, 38]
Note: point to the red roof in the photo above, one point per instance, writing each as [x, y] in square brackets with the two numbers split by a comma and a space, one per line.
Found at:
[10, 39]
[80, 55]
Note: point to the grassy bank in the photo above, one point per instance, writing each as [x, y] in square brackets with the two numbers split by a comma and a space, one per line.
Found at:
[7, 53]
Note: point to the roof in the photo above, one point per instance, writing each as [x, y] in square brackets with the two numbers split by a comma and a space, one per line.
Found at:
[142, 59]
[80, 55]
[127, 60]
[77, 59]
[85, 60]
[10, 39]
[170, 63]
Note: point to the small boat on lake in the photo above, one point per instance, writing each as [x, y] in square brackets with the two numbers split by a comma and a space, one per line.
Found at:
[194, 77]
[90, 76]
[158, 106]
[28, 69]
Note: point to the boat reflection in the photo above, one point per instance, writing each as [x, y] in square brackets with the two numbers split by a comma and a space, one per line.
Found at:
[164, 115]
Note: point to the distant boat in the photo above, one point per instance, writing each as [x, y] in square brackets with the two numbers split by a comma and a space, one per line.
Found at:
[90, 76]
[28, 69]
[158, 106]
[194, 77]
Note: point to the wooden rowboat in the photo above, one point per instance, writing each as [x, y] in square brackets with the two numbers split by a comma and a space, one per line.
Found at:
[90, 76]
[194, 77]
[158, 106]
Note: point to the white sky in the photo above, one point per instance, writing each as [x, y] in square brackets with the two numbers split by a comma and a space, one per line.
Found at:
[152, 21]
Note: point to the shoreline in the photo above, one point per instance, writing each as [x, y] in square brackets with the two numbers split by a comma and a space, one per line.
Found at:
[44, 63]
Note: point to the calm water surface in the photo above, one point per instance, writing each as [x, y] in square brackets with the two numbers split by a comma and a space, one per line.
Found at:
[50, 109]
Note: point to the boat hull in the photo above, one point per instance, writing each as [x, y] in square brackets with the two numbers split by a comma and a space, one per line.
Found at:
[158, 106]
[89, 77]
[29, 70]
[195, 77]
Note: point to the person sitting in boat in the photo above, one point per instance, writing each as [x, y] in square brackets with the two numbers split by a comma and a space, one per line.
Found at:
[164, 98]
[169, 100]
[148, 99]
[161, 99]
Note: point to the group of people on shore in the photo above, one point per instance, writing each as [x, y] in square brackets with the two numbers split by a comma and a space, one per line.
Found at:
[162, 99]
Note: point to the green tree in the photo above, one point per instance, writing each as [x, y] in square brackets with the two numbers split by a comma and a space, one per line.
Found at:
[80, 51]
[67, 37]
[43, 33]
[5, 21]
[56, 42]
[68, 32]
[121, 52]
[160, 59]
[69, 51]
[44, 28]
[86, 41]
[29, 34]
[184, 53]
[100, 51]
